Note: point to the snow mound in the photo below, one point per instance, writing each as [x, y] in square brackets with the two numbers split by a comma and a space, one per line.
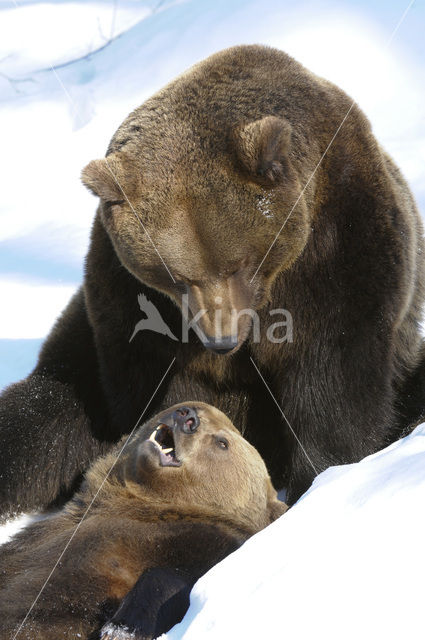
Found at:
[346, 561]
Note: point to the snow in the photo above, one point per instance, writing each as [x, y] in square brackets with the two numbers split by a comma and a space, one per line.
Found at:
[117, 633]
[12, 526]
[25, 298]
[346, 561]
[264, 205]
[79, 29]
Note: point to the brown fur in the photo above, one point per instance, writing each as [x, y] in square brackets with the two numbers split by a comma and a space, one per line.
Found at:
[145, 516]
[348, 263]
[195, 162]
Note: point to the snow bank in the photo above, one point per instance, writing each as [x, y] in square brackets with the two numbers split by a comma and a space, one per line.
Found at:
[34, 305]
[70, 30]
[347, 561]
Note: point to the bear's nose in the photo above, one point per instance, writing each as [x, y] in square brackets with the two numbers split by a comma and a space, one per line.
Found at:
[223, 346]
[186, 419]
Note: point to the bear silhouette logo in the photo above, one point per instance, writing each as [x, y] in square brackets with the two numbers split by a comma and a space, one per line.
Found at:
[153, 321]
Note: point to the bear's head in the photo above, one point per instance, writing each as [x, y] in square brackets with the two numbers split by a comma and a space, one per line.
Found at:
[192, 456]
[201, 194]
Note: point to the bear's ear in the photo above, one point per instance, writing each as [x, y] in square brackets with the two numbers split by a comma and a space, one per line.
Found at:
[104, 178]
[276, 508]
[261, 147]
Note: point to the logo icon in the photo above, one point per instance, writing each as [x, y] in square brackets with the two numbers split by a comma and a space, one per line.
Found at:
[153, 321]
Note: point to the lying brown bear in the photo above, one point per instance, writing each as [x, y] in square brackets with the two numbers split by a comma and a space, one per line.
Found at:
[186, 491]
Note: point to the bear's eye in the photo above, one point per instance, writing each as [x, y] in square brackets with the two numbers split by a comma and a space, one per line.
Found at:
[222, 442]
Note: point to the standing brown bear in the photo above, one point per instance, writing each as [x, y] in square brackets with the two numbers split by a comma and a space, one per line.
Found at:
[230, 186]
[187, 491]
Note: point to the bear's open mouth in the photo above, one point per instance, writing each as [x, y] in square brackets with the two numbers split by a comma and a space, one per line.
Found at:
[163, 439]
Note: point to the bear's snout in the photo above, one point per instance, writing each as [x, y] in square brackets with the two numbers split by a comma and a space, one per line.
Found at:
[184, 418]
[223, 346]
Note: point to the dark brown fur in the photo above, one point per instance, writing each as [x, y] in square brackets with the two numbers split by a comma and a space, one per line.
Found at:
[145, 516]
[194, 161]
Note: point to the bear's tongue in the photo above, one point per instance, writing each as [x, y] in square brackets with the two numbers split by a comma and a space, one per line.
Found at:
[163, 439]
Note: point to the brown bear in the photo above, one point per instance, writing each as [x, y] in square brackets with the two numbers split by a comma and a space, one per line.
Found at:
[187, 490]
[246, 186]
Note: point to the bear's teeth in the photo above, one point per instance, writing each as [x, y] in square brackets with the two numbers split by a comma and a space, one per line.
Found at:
[152, 436]
[153, 439]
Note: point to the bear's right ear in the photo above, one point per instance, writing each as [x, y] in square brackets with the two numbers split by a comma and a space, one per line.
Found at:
[261, 148]
[104, 178]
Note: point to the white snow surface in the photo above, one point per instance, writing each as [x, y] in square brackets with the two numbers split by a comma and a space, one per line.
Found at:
[34, 304]
[70, 30]
[10, 528]
[347, 561]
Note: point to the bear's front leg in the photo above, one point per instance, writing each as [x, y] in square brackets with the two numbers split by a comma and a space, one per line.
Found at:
[158, 601]
[53, 423]
[346, 412]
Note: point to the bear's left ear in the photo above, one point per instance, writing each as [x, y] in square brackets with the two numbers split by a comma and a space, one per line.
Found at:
[261, 147]
[276, 508]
